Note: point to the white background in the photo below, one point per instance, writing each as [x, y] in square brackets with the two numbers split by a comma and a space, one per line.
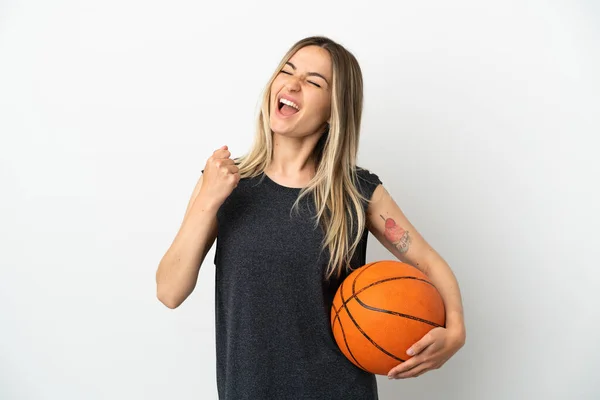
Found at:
[481, 118]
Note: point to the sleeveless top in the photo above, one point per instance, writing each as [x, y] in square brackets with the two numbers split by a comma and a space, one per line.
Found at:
[272, 303]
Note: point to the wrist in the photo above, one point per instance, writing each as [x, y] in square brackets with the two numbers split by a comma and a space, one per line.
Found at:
[456, 326]
[207, 204]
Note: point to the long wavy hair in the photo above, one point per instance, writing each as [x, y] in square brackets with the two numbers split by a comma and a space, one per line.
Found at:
[333, 187]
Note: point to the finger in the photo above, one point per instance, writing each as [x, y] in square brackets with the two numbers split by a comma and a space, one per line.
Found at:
[421, 345]
[430, 368]
[405, 366]
[222, 155]
[233, 169]
[223, 152]
[413, 373]
[234, 178]
[224, 162]
[421, 372]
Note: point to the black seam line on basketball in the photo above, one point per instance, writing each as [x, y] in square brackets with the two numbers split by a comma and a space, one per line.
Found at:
[351, 297]
[342, 296]
[367, 336]
[344, 335]
[346, 341]
[408, 316]
[384, 281]
[354, 295]
[388, 280]
[337, 317]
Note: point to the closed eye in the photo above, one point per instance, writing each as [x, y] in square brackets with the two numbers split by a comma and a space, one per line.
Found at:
[311, 82]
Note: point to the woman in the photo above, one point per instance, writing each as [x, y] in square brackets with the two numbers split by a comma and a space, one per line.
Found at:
[292, 218]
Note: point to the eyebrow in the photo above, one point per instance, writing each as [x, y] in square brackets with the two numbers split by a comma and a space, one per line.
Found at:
[309, 73]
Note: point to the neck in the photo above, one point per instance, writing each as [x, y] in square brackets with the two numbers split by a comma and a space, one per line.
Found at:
[293, 156]
[292, 160]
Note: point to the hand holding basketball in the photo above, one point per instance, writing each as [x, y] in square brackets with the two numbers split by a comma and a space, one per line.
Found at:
[431, 352]
[221, 176]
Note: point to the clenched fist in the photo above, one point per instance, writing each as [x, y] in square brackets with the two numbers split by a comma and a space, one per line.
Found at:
[220, 177]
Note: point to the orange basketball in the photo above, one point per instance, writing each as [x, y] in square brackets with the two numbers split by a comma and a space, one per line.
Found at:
[380, 310]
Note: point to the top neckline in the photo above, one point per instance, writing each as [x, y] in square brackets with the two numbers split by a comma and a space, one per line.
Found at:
[280, 186]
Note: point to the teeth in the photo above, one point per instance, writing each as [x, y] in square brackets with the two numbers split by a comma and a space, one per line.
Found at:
[289, 103]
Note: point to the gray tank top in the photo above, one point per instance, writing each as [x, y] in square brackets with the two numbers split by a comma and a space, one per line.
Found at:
[272, 304]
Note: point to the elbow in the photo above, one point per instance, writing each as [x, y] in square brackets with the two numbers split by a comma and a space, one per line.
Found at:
[169, 303]
[167, 298]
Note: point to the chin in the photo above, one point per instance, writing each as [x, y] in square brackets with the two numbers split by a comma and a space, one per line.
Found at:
[284, 132]
[281, 128]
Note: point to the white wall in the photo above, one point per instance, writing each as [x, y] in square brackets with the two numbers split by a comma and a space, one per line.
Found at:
[481, 118]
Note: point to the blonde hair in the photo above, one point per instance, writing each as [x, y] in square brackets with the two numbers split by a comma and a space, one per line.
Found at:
[334, 184]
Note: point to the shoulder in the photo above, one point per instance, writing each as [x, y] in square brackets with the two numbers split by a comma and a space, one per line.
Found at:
[367, 180]
[366, 174]
[368, 185]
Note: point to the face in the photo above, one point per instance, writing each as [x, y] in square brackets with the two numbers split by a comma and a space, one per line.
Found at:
[301, 94]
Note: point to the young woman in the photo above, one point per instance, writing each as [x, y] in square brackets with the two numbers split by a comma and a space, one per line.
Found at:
[292, 218]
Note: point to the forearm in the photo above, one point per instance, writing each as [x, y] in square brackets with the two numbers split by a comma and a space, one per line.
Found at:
[442, 277]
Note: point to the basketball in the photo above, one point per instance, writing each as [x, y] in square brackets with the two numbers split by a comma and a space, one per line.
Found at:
[380, 310]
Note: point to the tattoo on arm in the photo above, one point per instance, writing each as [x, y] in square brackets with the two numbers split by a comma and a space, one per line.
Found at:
[396, 235]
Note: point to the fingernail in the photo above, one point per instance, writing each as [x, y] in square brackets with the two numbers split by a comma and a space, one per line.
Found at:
[389, 377]
[410, 352]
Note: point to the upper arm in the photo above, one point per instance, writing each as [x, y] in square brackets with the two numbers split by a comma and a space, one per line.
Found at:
[387, 222]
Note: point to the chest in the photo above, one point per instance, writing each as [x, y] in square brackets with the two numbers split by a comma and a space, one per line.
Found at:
[263, 234]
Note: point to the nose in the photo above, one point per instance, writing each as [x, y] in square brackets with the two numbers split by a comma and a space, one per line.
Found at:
[292, 84]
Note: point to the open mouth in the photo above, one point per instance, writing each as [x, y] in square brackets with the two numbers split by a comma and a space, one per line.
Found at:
[287, 107]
